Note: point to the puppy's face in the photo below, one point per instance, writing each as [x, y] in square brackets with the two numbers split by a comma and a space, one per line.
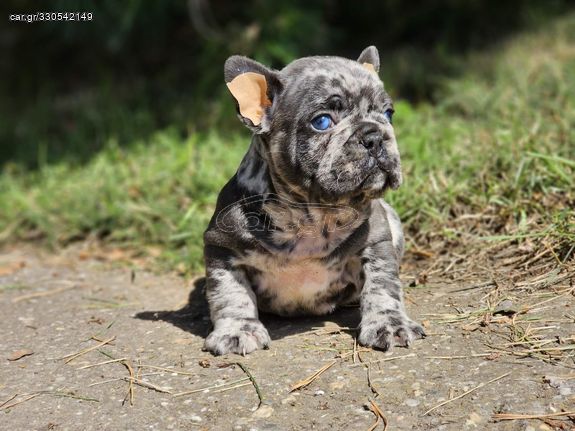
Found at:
[327, 124]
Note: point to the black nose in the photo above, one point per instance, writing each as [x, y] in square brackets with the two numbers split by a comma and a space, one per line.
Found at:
[372, 141]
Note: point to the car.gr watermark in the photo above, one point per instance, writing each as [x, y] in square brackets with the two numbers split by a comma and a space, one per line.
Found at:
[263, 213]
[51, 16]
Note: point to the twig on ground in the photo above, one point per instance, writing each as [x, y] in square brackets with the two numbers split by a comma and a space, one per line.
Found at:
[111, 361]
[170, 370]
[533, 306]
[466, 393]
[558, 424]
[393, 358]
[7, 405]
[131, 382]
[350, 353]
[474, 286]
[72, 356]
[15, 403]
[8, 400]
[303, 383]
[70, 395]
[378, 414]
[370, 383]
[547, 350]
[517, 416]
[377, 420]
[475, 355]
[194, 391]
[117, 379]
[253, 380]
[136, 381]
[147, 385]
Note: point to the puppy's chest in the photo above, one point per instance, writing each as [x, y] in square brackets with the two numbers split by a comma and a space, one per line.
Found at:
[300, 282]
[292, 275]
[293, 286]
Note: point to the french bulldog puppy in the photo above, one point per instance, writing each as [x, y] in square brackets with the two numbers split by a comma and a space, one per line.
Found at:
[301, 227]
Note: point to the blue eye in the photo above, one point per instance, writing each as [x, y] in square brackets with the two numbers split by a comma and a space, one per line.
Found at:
[322, 122]
[389, 115]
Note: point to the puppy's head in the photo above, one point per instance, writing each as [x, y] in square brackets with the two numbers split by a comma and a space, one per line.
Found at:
[326, 122]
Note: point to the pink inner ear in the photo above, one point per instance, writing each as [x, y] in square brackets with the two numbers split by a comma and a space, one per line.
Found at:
[250, 91]
[369, 67]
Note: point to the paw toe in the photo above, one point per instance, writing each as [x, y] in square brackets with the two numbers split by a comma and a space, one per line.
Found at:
[385, 334]
[418, 331]
[403, 337]
[378, 338]
[240, 339]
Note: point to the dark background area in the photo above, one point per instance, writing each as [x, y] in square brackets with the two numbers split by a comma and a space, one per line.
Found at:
[70, 88]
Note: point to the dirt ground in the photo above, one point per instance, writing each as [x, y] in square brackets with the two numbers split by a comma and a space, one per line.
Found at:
[91, 344]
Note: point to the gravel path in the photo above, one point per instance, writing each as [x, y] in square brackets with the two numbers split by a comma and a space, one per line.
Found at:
[148, 329]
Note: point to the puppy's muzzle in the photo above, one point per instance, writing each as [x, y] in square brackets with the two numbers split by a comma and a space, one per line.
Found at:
[374, 141]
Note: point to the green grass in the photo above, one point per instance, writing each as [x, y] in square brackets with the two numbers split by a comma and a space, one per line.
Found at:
[500, 142]
[157, 192]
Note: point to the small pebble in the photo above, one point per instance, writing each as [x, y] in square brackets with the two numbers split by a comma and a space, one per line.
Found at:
[337, 385]
[290, 399]
[411, 402]
[263, 412]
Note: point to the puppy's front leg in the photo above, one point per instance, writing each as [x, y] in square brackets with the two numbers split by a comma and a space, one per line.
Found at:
[234, 313]
[384, 322]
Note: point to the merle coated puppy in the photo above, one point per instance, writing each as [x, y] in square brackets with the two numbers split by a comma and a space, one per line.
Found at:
[301, 227]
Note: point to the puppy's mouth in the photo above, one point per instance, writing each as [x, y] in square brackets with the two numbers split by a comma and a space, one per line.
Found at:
[375, 164]
[379, 175]
[363, 182]
[373, 174]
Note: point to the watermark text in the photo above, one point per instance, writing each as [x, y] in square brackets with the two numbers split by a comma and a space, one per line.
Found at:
[50, 16]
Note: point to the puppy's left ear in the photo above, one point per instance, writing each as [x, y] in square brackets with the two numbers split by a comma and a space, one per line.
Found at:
[254, 87]
[369, 58]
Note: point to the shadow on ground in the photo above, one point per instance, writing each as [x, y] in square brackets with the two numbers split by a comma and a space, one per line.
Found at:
[194, 317]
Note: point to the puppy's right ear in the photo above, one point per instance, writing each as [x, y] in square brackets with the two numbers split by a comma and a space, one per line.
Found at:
[254, 87]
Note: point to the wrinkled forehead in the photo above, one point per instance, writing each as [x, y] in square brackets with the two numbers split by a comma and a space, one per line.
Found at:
[312, 78]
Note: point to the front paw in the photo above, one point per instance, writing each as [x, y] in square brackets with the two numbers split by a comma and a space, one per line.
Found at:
[241, 336]
[389, 329]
